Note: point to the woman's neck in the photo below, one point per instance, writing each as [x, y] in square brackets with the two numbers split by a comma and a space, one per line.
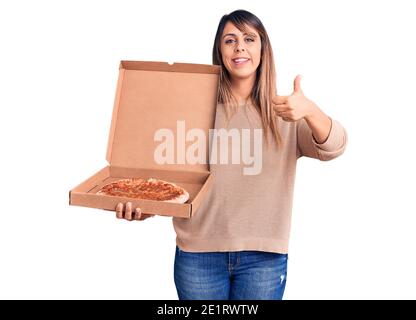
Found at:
[242, 88]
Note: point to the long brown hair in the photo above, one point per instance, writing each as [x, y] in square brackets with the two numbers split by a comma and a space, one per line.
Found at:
[265, 84]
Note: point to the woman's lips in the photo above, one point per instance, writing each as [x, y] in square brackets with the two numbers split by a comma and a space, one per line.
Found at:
[240, 61]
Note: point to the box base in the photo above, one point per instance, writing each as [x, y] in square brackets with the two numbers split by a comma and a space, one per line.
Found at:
[195, 183]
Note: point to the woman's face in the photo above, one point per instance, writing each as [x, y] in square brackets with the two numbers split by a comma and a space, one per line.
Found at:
[241, 51]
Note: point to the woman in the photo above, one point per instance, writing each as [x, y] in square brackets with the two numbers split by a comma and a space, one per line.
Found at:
[236, 247]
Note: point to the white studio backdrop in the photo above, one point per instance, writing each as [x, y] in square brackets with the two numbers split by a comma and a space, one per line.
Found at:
[353, 217]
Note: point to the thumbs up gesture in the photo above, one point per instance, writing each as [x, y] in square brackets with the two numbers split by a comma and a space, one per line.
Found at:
[294, 107]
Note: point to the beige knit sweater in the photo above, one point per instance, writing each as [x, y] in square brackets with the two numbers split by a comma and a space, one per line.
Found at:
[253, 211]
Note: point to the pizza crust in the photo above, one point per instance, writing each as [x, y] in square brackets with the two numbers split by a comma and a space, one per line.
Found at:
[180, 199]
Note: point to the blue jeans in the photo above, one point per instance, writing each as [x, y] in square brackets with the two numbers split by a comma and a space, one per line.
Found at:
[240, 275]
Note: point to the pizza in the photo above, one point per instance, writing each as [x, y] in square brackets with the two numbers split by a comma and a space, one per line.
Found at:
[146, 189]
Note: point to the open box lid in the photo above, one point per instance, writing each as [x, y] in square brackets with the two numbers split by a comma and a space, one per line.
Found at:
[156, 95]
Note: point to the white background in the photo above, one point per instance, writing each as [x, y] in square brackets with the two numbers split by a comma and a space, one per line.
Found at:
[353, 229]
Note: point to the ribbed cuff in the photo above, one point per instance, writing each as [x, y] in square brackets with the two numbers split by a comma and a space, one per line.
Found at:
[335, 138]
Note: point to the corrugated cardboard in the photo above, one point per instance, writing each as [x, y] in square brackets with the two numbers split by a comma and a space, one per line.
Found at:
[151, 96]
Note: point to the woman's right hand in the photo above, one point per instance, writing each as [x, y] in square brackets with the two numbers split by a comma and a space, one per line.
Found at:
[129, 214]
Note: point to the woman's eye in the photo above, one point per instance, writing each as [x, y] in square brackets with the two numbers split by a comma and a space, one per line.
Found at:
[232, 40]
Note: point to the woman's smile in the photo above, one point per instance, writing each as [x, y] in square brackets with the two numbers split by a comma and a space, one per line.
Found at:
[239, 62]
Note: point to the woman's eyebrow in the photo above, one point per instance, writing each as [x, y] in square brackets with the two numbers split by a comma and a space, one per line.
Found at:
[233, 34]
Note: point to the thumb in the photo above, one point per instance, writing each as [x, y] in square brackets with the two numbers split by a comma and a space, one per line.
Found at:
[296, 85]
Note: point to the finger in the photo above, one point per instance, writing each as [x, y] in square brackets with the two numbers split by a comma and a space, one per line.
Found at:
[286, 115]
[138, 214]
[142, 216]
[128, 214]
[279, 99]
[281, 107]
[119, 211]
[296, 84]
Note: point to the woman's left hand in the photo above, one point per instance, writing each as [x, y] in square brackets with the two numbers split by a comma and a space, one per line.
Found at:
[294, 107]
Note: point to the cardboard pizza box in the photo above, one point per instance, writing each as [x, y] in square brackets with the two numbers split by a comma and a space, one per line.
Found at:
[153, 100]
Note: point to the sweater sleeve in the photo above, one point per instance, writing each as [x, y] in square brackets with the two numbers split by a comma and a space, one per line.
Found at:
[331, 148]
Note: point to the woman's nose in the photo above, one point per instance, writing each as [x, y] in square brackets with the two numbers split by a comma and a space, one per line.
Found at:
[239, 47]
